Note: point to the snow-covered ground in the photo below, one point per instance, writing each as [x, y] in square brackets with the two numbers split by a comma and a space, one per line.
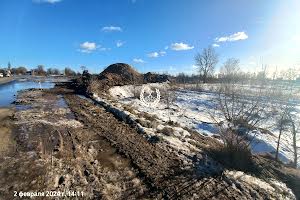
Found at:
[274, 187]
[194, 109]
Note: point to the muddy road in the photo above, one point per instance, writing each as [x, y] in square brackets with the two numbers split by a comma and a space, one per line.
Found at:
[7, 143]
[55, 152]
[58, 141]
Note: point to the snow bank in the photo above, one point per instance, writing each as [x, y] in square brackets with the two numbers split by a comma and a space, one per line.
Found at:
[193, 109]
[273, 187]
[197, 108]
[127, 91]
[178, 140]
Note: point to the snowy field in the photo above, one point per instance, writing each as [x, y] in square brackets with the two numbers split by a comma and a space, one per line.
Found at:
[194, 109]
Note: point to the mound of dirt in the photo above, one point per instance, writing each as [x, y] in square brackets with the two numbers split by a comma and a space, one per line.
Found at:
[155, 78]
[120, 74]
[123, 74]
[117, 74]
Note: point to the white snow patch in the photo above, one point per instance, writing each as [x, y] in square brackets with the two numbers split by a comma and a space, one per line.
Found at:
[273, 186]
[176, 143]
[193, 109]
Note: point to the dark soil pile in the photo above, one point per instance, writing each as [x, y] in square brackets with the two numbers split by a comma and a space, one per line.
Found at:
[117, 74]
[155, 78]
[120, 74]
[124, 74]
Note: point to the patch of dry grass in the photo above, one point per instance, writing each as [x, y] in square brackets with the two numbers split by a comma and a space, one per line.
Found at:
[147, 116]
[234, 157]
[167, 131]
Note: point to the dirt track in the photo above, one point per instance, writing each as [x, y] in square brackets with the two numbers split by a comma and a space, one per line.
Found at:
[56, 152]
[6, 142]
[67, 143]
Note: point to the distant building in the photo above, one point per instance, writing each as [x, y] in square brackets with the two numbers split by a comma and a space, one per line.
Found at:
[7, 73]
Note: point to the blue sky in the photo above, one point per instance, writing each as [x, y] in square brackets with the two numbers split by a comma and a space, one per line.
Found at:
[151, 35]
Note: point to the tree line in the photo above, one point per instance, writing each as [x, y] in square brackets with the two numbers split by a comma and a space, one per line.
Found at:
[40, 70]
[207, 60]
[244, 110]
[245, 103]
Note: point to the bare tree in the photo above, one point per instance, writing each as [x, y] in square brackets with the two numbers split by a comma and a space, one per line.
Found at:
[53, 71]
[282, 125]
[206, 62]
[50, 71]
[69, 72]
[182, 78]
[282, 109]
[19, 70]
[288, 120]
[294, 133]
[261, 77]
[238, 116]
[291, 125]
[40, 70]
[169, 96]
[275, 74]
[290, 76]
[56, 71]
[230, 69]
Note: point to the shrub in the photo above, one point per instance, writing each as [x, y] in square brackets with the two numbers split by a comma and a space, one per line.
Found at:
[234, 156]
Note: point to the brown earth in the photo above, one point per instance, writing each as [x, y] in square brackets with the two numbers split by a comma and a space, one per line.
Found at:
[56, 152]
[124, 74]
[117, 74]
[120, 74]
[67, 143]
[6, 142]
[161, 169]
[155, 78]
